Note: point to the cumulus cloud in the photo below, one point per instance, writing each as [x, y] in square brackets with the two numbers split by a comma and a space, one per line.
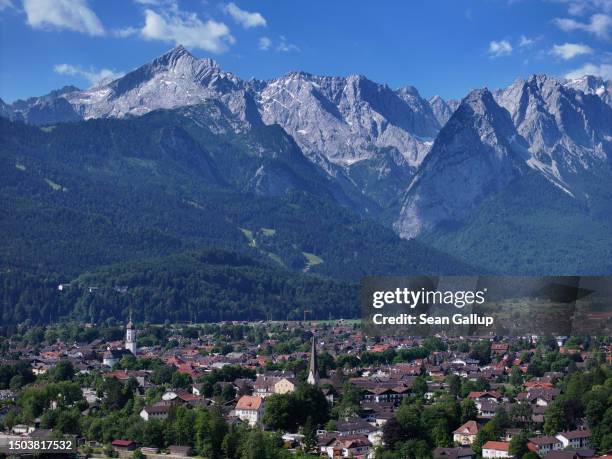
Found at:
[246, 19]
[599, 25]
[265, 43]
[91, 75]
[173, 25]
[602, 70]
[568, 51]
[500, 48]
[63, 14]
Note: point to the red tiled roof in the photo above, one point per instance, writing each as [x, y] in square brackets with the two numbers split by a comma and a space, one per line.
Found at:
[249, 402]
[469, 428]
[122, 443]
[496, 445]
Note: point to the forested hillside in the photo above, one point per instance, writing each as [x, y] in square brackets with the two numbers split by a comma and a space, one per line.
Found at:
[77, 197]
[210, 285]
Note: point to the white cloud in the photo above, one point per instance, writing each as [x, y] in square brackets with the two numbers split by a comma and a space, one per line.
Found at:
[500, 48]
[580, 7]
[125, 32]
[568, 51]
[150, 2]
[286, 47]
[525, 41]
[187, 29]
[265, 43]
[91, 75]
[63, 14]
[603, 70]
[245, 18]
[598, 25]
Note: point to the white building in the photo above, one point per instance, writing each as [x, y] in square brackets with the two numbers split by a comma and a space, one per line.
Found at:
[492, 449]
[574, 438]
[157, 411]
[112, 356]
[544, 445]
[250, 409]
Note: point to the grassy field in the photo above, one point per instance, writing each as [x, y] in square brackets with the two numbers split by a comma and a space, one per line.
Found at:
[311, 260]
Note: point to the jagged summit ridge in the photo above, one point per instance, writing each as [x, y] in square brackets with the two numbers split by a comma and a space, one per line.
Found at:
[425, 162]
[476, 153]
[348, 119]
[537, 124]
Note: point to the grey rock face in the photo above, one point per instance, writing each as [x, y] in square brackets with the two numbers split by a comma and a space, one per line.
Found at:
[568, 131]
[174, 79]
[350, 119]
[476, 154]
[590, 84]
[344, 120]
[50, 108]
[537, 124]
[443, 109]
[422, 162]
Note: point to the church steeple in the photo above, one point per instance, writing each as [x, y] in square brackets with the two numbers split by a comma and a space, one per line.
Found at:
[130, 336]
[313, 372]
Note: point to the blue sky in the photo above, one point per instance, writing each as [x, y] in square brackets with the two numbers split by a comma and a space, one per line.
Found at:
[441, 47]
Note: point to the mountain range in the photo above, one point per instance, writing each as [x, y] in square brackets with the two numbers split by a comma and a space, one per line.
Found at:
[514, 180]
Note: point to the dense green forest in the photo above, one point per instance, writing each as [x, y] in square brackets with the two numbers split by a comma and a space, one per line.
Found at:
[79, 196]
[102, 200]
[554, 234]
[211, 285]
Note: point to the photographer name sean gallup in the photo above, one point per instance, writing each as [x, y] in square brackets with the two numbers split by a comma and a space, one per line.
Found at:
[424, 319]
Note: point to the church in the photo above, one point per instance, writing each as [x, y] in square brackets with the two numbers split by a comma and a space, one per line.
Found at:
[130, 337]
[112, 356]
[313, 372]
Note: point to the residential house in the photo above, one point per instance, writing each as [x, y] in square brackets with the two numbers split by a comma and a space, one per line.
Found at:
[574, 438]
[250, 409]
[354, 446]
[466, 434]
[492, 449]
[544, 444]
[156, 411]
[499, 348]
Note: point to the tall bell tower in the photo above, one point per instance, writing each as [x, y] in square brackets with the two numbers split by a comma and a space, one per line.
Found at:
[130, 337]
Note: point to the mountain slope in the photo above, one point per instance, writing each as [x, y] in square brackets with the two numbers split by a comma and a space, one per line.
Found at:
[590, 84]
[335, 121]
[442, 109]
[471, 159]
[351, 145]
[533, 228]
[81, 195]
[569, 133]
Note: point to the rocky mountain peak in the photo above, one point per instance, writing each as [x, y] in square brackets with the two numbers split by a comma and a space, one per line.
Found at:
[590, 84]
